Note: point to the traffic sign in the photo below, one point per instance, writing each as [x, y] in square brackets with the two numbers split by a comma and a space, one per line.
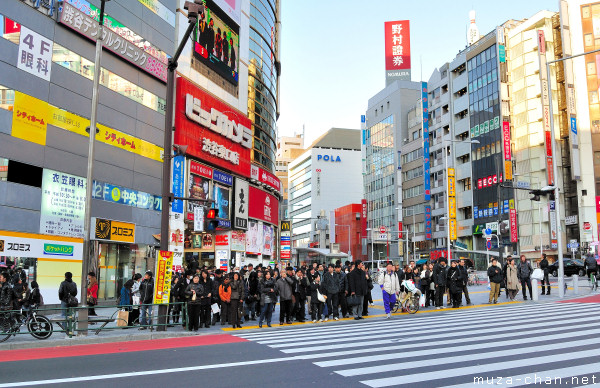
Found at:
[488, 231]
[382, 229]
[488, 244]
[587, 226]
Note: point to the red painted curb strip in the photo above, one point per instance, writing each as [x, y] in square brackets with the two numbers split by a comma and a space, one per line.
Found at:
[116, 347]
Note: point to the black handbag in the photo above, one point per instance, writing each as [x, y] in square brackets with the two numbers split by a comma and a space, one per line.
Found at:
[352, 300]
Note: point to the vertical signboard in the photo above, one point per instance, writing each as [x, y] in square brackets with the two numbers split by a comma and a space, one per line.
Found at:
[63, 204]
[427, 222]
[425, 123]
[507, 150]
[545, 106]
[397, 51]
[514, 233]
[178, 177]
[452, 203]
[176, 239]
[363, 218]
[553, 224]
[164, 273]
[240, 200]
[285, 251]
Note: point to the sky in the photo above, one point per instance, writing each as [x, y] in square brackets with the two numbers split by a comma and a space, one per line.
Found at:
[332, 51]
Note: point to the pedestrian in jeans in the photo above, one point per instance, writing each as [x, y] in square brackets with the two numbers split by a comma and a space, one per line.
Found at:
[267, 298]
[146, 296]
[494, 273]
[390, 287]
[331, 284]
[524, 271]
[545, 281]
[465, 278]
[357, 285]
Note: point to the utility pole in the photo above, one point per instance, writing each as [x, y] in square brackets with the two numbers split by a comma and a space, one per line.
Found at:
[193, 10]
[87, 219]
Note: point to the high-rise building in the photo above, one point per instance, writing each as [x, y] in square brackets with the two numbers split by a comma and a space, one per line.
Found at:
[288, 149]
[264, 68]
[386, 127]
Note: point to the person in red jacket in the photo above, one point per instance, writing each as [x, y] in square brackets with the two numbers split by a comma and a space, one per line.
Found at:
[92, 293]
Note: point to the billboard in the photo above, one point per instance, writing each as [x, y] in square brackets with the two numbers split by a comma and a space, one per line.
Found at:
[263, 206]
[63, 204]
[397, 51]
[425, 124]
[222, 197]
[428, 232]
[233, 8]
[214, 131]
[240, 218]
[254, 238]
[199, 182]
[267, 240]
[217, 42]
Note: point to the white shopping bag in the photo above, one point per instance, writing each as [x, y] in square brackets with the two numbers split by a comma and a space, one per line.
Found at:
[422, 300]
[215, 308]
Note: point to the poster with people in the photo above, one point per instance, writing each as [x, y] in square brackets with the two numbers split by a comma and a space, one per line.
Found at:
[217, 43]
[268, 240]
[222, 198]
[198, 188]
[254, 238]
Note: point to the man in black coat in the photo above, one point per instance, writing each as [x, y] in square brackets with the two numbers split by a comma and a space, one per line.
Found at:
[357, 285]
[440, 280]
[331, 283]
[217, 281]
[545, 281]
[146, 298]
[494, 272]
[343, 291]
[465, 277]
[300, 292]
[67, 287]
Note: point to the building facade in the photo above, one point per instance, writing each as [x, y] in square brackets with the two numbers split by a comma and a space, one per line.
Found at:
[288, 149]
[46, 88]
[326, 176]
[348, 231]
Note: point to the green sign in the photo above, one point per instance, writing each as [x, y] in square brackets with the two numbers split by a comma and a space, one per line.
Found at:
[58, 249]
[478, 229]
[501, 54]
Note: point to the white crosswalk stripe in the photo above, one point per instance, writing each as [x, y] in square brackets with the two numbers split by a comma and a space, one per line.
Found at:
[511, 344]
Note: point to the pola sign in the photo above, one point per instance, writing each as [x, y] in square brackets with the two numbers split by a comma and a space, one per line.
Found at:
[329, 158]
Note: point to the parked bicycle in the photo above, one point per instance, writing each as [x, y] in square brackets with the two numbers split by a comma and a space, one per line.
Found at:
[37, 325]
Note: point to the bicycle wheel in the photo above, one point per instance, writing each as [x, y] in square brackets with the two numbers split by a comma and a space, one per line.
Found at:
[396, 306]
[5, 328]
[412, 305]
[40, 327]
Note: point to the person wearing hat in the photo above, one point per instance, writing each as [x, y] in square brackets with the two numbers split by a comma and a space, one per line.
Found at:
[146, 296]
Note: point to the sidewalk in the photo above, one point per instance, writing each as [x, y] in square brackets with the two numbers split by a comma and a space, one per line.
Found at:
[479, 297]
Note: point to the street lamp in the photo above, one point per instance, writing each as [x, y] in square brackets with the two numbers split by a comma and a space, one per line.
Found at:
[87, 220]
[448, 184]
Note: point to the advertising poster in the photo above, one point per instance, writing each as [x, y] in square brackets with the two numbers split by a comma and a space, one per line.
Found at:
[397, 50]
[241, 204]
[428, 233]
[28, 118]
[217, 43]
[63, 204]
[222, 259]
[35, 53]
[199, 185]
[176, 239]
[164, 273]
[254, 238]
[263, 206]
[268, 240]
[238, 241]
[222, 199]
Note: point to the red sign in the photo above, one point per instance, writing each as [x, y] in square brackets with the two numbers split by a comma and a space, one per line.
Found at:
[222, 239]
[397, 45]
[506, 139]
[263, 206]
[363, 218]
[200, 169]
[587, 226]
[400, 230]
[265, 177]
[214, 131]
[382, 229]
[3, 168]
[514, 237]
[541, 42]
[10, 26]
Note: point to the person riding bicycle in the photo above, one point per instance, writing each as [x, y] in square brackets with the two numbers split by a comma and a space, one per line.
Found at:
[591, 265]
[7, 294]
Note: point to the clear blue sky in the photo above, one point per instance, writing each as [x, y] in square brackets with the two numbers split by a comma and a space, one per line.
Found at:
[332, 51]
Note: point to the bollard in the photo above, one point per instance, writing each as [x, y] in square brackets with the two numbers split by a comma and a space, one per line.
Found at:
[576, 284]
[534, 288]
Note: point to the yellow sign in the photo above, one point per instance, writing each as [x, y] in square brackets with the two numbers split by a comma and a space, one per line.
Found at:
[451, 186]
[31, 115]
[508, 170]
[453, 235]
[164, 275]
[114, 230]
[511, 204]
[452, 207]
[30, 118]
[450, 171]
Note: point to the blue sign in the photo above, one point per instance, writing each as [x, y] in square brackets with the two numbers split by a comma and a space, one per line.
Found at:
[178, 178]
[117, 194]
[329, 158]
[488, 231]
[475, 212]
[363, 119]
[506, 208]
[480, 213]
[224, 224]
[221, 177]
[426, 164]
[495, 210]
[488, 244]
[501, 53]
[485, 212]
[574, 125]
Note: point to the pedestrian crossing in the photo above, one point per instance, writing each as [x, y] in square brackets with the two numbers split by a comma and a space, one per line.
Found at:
[511, 345]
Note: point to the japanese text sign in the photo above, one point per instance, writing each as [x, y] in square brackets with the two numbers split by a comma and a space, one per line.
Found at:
[35, 53]
[63, 204]
[164, 274]
[397, 45]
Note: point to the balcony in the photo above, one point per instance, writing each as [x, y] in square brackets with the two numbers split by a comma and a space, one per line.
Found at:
[460, 104]
[459, 82]
[461, 126]
[463, 171]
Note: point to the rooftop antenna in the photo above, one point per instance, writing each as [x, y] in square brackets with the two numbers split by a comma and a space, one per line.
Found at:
[303, 131]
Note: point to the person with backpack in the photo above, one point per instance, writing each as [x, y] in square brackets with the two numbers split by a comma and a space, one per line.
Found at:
[35, 298]
[524, 271]
[390, 288]
[67, 293]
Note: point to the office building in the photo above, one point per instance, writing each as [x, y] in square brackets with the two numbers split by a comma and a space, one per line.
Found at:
[288, 149]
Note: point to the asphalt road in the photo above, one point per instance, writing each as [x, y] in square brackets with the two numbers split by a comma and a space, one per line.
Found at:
[433, 349]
